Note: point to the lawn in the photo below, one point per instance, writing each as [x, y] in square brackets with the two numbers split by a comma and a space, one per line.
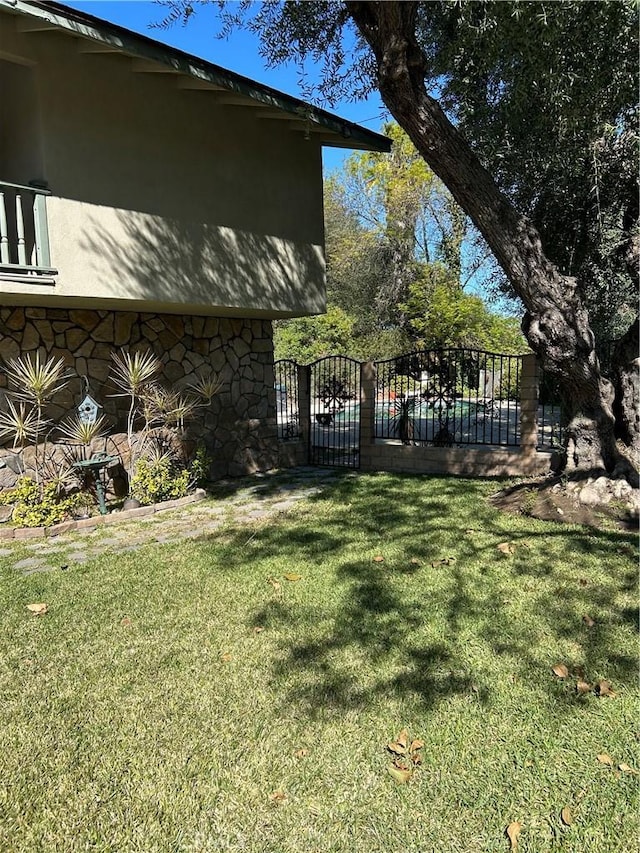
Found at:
[193, 697]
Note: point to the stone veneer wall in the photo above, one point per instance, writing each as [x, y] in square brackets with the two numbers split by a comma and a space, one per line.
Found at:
[239, 427]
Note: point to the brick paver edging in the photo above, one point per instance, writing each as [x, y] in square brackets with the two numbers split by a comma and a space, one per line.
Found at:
[96, 520]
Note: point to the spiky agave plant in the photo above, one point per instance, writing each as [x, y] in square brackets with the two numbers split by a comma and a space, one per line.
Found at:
[34, 382]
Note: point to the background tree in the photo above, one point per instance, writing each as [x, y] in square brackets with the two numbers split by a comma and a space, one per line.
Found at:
[306, 339]
[393, 233]
[442, 315]
[399, 51]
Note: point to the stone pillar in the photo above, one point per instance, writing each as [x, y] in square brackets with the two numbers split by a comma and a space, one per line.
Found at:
[367, 413]
[304, 409]
[529, 412]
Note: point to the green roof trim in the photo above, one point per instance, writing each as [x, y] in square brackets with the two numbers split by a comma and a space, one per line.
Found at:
[143, 47]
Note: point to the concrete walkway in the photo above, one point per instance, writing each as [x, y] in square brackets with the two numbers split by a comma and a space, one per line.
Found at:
[244, 501]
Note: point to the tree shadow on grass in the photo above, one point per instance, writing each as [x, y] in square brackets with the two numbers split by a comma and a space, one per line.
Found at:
[399, 628]
[320, 670]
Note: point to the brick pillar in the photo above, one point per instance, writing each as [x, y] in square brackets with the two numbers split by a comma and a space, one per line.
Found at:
[367, 413]
[529, 412]
[304, 408]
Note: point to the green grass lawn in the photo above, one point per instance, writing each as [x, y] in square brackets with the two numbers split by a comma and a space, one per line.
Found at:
[146, 711]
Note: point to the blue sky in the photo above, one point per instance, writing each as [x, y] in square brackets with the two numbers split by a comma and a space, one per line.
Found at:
[239, 53]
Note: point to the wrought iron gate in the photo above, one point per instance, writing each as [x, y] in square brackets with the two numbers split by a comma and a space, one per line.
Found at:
[334, 433]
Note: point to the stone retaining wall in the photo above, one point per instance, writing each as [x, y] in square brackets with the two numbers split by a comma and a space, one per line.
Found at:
[238, 428]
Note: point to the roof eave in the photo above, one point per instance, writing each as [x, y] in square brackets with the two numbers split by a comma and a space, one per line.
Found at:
[143, 47]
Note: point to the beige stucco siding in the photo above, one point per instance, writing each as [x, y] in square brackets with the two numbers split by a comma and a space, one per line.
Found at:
[161, 195]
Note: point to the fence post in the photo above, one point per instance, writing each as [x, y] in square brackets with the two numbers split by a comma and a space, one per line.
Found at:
[367, 412]
[304, 409]
[529, 411]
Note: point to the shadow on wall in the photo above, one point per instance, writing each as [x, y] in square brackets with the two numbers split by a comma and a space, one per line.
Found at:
[138, 256]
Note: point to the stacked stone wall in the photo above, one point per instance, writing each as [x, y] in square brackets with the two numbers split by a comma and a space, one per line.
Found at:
[238, 428]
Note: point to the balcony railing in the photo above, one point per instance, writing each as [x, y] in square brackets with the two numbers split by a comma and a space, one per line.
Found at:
[24, 236]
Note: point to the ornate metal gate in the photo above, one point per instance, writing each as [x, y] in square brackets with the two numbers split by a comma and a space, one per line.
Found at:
[334, 433]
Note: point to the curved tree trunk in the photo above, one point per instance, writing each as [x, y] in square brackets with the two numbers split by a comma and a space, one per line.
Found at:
[556, 323]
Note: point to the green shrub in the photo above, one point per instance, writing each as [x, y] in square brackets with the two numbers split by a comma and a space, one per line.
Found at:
[199, 466]
[158, 480]
[36, 506]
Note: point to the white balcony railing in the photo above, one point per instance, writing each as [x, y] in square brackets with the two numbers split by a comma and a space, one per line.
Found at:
[24, 235]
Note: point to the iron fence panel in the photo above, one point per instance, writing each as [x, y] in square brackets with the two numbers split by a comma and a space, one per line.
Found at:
[287, 399]
[551, 421]
[449, 396]
[334, 433]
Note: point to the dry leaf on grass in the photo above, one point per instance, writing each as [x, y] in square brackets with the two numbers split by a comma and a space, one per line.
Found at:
[378, 558]
[560, 670]
[301, 753]
[399, 774]
[399, 745]
[624, 768]
[292, 576]
[225, 657]
[414, 561]
[603, 688]
[258, 629]
[583, 687]
[513, 833]
[588, 621]
[126, 622]
[278, 797]
[603, 758]
[507, 547]
[445, 561]
[38, 609]
[566, 817]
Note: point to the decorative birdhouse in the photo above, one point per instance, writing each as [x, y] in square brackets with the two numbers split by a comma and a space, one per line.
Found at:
[88, 410]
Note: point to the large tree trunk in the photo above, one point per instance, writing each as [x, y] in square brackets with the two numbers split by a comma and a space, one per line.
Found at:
[556, 323]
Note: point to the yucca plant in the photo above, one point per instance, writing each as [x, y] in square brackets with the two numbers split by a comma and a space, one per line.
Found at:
[179, 408]
[36, 381]
[403, 418]
[83, 433]
[206, 387]
[132, 374]
[33, 382]
[19, 422]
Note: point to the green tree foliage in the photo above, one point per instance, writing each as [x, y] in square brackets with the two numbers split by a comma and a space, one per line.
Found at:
[393, 234]
[442, 315]
[547, 93]
[306, 339]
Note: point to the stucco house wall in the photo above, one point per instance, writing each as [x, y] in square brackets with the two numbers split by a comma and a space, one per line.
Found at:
[161, 198]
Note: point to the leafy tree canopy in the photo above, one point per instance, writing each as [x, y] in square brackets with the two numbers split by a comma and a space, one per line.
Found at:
[398, 259]
[306, 339]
